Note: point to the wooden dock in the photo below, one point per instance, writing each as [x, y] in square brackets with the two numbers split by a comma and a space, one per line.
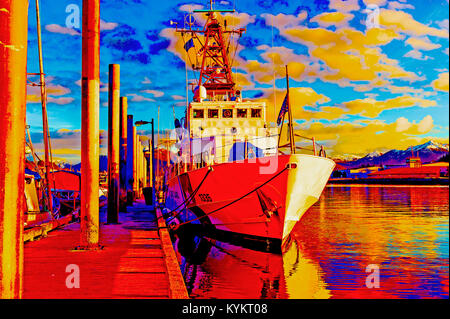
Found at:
[137, 261]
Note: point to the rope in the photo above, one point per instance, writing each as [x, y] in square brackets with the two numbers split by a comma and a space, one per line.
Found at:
[186, 201]
[236, 200]
[190, 196]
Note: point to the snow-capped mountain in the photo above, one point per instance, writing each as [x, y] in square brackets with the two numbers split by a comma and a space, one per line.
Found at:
[345, 158]
[431, 145]
[430, 151]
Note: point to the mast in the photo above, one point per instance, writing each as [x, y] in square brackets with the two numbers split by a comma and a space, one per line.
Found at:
[44, 111]
[215, 70]
[291, 127]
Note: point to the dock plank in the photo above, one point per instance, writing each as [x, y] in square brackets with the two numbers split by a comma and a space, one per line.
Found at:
[132, 264]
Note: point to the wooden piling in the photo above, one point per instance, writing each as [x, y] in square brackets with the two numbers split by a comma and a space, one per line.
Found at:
[90, 138]
[135, 177]
[13, 61]
[113, 143]
[123, 151]
[130, 156]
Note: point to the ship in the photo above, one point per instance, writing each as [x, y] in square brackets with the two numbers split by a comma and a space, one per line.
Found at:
[228, 178]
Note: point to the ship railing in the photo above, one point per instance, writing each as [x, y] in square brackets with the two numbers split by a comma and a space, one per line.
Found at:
[316, 149]
[206, 158]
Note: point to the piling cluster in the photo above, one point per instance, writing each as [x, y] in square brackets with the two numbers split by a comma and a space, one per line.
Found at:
[128, 168]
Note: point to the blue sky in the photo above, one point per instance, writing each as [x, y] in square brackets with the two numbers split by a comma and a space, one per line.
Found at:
[356, 88]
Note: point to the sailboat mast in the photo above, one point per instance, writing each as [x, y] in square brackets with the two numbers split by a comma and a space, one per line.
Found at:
[291, 127]
[44, 110]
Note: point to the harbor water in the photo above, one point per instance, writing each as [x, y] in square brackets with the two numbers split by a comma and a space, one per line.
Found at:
[397, 233]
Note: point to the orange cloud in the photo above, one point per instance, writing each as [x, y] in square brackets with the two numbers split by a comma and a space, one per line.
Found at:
[372, 108]
[441, 83]
[422, 44]
[405, 23]
[327, 19]
[360, 138]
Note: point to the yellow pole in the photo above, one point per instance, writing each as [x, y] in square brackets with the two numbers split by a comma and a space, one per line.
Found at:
[13, 64]
[48, 162]
[90, 124]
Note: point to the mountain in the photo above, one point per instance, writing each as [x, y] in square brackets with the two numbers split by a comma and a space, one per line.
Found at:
[430, 151]
[103, 164]
[345, 158]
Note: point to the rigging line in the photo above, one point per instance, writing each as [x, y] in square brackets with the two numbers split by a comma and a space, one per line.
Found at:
[191, 196]
[236, 200]
[185, 69]
[187, 53]
[186, 201]
[274, 79]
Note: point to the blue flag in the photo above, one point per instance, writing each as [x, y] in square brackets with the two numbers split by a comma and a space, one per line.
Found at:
[189, 44]
[283, 110]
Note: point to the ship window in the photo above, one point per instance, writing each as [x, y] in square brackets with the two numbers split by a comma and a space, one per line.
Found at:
[227, 113]
[256, 113]
[213, 114]
[241, 112]
[198, 114]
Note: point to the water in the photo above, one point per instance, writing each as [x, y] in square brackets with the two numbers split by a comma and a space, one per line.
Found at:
[401, 230]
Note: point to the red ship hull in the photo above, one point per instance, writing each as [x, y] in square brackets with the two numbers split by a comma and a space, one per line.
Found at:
[252, 203]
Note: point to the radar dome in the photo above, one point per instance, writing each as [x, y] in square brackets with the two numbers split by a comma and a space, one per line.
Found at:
[200, 93]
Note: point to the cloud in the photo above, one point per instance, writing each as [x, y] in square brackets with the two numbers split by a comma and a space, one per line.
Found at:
[337, 19]
[395, 5]
[53, 91]
[415, 54]
[379, 3]
[344, 5]
[403, 22]
[443, 24]
[55, 28]
[61, 100]
[422, 44]
[347, 55]
[155, 93]
[299, 97]
[441, 83]
[190, 7]
[425, 125]
[146, 81]
[372, 108]
[402, 124]
[139, 98]
[360, 138]
[284, 21]
[107, 25]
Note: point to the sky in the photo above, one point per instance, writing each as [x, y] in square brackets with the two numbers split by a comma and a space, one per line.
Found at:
[364, 75]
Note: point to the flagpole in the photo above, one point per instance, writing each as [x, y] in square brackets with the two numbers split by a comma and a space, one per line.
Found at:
[281, 128]
[291, 127]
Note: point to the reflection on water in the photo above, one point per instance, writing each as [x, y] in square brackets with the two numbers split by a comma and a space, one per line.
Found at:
[403, 230]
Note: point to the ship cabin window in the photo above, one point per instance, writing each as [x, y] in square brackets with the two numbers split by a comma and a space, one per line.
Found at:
[242, 113]
[227, 113]
[213, 114]
[256, 113]
[198, 113]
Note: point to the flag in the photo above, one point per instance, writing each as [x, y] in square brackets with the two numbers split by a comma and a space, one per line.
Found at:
[283, 110]
[189, 44]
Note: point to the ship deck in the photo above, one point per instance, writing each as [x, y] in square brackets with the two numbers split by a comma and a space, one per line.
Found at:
[137, 261]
